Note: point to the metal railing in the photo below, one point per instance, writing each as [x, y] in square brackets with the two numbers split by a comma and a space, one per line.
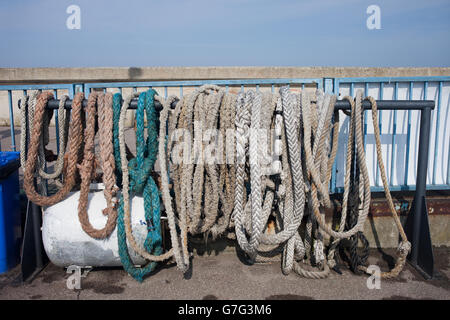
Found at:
[397, 153]
[417, 226]
[398, 144]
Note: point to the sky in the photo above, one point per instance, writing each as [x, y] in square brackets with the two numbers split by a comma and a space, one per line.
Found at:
[140, 33]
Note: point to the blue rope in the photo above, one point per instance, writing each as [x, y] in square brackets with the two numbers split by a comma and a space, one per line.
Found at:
[141, 181]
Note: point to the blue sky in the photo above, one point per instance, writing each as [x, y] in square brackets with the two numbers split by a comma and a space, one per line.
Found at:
[224, 33]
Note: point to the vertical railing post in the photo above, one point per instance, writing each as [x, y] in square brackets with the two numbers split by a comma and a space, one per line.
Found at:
[417, 226]
[11, 120]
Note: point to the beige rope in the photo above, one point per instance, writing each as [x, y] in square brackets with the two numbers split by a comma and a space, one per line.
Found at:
[405, 245]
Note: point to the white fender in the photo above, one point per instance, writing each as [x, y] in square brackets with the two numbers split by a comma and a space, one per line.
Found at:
[67, 244]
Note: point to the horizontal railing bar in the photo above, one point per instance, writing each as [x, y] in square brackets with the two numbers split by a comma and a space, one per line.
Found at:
[35, 87]
[400, 187]
[394, 79]
[340, 104]
[194, 83]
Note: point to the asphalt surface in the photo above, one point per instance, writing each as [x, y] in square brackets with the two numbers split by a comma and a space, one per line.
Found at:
[225, 276]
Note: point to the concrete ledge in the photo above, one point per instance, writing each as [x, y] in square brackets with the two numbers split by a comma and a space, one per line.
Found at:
[62, 75]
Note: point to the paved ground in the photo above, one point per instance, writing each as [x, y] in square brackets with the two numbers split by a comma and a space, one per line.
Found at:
[224, 276]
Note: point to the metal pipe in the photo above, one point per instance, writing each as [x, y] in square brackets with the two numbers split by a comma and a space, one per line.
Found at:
[340, 104]
[419, 196]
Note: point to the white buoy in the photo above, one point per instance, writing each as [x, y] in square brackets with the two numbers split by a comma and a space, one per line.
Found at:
[67, 244]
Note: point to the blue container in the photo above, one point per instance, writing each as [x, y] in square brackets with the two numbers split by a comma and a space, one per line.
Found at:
[10, 222]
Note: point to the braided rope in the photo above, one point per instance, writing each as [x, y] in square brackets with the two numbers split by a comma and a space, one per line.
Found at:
[295, 245]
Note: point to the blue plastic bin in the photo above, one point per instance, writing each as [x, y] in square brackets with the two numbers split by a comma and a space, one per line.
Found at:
[10, 222]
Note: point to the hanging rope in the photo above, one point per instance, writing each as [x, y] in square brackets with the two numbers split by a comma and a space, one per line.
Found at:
[247, 126]
[179, 243]
[405, 246]
[76, 137]
[137, 178]
[27, 108]
[87, 168]
[321, 162]
[198, 180]
[262, 193]
[105, 121]
[359, 226]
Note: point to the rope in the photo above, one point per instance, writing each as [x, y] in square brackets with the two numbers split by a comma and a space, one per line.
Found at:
[247, 125]
[28, 104]
[179, 244]
[76, 136]
[404, 246]
[261, 195]
[87, 168]
[200, 194]
[295, 246]
[137, 178]
[359, 226]
[105, 121]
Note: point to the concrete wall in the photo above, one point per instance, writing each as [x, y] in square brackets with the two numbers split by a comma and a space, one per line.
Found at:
[64, 75]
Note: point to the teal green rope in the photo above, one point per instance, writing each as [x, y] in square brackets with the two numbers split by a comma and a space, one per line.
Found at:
[141, 181]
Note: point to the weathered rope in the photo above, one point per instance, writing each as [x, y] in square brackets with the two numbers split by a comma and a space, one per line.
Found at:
[359, 226]
[198, 180]
[87, 171]
[247, 126]
[296, 247]
[179, 243]
[105, 123]
[28, 103]
[405, 246]
[76, 137]
[137, 178]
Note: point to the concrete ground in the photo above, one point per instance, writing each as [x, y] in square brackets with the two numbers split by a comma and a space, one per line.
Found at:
[225, 276]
